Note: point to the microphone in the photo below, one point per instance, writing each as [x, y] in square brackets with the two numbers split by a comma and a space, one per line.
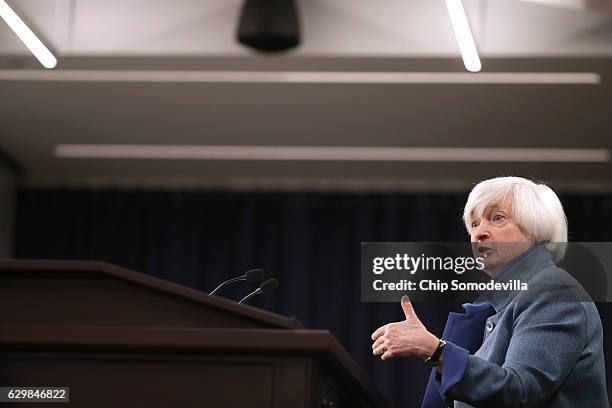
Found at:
[265, 287]
[253, 275]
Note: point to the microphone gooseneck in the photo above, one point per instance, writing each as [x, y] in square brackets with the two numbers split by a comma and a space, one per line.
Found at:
[265, 287]
[253, 275]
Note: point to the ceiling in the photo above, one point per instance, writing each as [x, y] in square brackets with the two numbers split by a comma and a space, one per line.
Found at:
[338, 36]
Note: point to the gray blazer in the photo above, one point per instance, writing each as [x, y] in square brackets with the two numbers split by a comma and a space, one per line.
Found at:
[541, 348]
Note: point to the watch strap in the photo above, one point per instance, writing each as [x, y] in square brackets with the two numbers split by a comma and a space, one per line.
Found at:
[435, 357]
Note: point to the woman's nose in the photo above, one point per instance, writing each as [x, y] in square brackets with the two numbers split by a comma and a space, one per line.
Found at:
[481, 233]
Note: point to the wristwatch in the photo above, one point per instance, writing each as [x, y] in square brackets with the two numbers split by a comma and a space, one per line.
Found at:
[434, 359]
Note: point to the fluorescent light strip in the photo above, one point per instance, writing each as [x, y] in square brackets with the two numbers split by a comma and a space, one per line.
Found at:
[303, 77]
[326, 153]
[463, 34]
[42, 53]
[568, 4]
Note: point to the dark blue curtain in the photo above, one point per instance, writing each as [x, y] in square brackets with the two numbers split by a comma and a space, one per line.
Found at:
[309, 241]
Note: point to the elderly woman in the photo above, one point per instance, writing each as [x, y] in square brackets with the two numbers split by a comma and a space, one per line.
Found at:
[511, 349]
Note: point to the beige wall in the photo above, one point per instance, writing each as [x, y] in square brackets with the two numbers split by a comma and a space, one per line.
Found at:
[7, 196]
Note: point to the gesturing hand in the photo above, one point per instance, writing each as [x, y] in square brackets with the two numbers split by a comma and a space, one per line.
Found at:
[406, 338]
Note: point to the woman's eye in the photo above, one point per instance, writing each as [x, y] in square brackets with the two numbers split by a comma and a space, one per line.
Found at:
[475, 224]
[498, 217]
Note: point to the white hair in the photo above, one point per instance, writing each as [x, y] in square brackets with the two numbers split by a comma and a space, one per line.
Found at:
[534, 206]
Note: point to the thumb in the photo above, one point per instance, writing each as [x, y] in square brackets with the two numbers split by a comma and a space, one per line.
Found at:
[408, 309]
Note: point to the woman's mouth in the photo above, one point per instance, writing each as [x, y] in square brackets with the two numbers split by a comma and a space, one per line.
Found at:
[485, 251]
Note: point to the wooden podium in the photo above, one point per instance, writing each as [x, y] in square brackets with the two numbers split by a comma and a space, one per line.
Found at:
[119, 338]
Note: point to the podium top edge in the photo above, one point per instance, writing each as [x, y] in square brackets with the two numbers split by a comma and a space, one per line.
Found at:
[151, 282]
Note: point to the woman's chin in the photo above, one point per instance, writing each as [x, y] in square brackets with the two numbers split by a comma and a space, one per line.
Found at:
[493, 264]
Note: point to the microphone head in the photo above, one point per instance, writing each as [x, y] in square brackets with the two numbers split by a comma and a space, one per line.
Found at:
[268, 286]
[254, 275]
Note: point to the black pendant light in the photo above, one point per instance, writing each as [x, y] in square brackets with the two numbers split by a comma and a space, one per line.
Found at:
[269, 25]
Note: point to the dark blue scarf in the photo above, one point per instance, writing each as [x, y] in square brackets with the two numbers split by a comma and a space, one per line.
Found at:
[465, 330]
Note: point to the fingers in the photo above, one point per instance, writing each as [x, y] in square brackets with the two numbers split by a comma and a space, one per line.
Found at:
[407, 308]
[379, 350]
[378, 347]
[383, 352]
[387, 355]
[379, 332]
[383, 336]
[378, 342]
